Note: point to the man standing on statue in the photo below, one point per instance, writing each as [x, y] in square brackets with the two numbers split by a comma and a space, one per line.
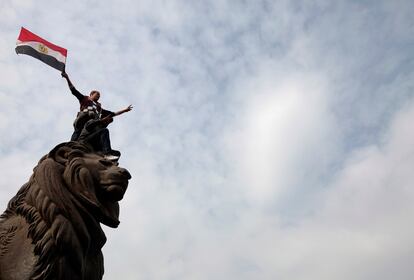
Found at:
[91, 121]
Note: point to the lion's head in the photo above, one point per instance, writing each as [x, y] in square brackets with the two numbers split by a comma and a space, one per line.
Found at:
[98, 183]
[72, 190]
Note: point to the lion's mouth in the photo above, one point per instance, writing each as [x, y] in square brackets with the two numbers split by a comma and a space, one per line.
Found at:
[114, 190]
[111, 191]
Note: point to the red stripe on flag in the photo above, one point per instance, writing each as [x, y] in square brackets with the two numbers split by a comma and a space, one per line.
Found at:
[27, 36]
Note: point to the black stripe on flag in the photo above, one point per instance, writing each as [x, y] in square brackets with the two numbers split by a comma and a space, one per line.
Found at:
[49, 60]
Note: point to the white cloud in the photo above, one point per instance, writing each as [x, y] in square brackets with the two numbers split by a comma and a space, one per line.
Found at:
[285, 133]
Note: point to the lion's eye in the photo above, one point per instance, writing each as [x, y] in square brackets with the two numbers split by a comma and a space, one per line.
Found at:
[106, 162]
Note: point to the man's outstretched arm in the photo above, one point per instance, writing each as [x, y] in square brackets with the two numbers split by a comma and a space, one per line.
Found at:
[127, 109]
[109, 114]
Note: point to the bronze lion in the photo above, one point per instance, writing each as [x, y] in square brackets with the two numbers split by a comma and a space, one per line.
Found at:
[51, 228]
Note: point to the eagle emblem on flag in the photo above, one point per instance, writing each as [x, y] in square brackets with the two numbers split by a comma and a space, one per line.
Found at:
[42, 48]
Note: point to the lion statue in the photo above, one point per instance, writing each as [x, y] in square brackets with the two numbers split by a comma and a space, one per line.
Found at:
[51, 228]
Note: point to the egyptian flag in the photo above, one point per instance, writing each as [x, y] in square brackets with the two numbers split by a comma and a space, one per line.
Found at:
[31, 44]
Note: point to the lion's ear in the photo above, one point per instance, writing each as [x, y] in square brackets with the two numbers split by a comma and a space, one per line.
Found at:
[60, 154]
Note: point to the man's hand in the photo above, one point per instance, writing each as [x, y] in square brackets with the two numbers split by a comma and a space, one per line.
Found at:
[129, 108]
[65, 75]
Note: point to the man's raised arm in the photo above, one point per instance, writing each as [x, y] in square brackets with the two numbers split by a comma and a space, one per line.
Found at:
[72, 88]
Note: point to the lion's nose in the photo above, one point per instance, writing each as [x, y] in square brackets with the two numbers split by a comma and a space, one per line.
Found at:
[125, 173]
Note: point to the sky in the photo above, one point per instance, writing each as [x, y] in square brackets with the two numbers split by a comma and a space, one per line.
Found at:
[268, 140]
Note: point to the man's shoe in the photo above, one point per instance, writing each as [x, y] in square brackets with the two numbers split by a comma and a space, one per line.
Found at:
[111, 157]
